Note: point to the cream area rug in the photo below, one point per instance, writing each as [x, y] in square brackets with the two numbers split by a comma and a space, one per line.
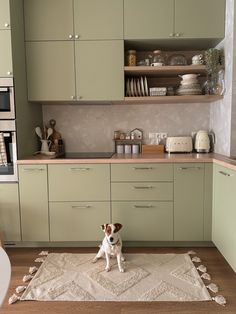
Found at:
[147, 277]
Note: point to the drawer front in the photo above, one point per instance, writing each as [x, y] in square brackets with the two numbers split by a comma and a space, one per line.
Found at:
[144, 221]
[79, 182]
[142, 172]
[78, 221]
[134, 191]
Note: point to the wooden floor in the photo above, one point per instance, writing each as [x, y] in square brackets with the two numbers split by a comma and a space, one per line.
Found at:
[222, 275]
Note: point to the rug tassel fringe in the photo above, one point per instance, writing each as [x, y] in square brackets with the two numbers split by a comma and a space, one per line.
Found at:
[219, 299]
[39, 260]
[13, 299]
[196, 259]
[191, 253]
[206, 276]
[43, 253]
[33, 270]
[213, 287]
[27, 278]
[20, 289]
[202, 268]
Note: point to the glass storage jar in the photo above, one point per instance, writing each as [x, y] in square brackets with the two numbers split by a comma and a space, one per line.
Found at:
[157, 59]
[131, 57]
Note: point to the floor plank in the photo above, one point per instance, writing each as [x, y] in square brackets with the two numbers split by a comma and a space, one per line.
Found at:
[222, 275]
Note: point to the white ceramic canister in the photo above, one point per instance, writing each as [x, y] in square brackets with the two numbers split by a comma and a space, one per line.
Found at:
[135, 149]
[127, 149]
[120, 149]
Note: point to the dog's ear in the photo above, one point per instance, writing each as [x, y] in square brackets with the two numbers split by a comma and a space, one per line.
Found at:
[103, 227]
[117, 227]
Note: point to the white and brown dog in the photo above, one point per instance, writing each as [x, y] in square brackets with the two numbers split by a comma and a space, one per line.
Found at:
[111, 246]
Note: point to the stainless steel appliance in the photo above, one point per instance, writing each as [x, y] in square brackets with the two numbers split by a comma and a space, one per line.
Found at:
[8, 168]
[179, 144]
[7, 105]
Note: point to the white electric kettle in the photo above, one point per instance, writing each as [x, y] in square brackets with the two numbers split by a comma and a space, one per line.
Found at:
[202, 141]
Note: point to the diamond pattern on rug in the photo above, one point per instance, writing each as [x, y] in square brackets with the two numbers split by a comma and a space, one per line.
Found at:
[116, 282]
[186, 273]
[165, 288]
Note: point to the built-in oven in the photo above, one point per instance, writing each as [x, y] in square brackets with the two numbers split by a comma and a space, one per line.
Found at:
[8, 151]
[7, 106]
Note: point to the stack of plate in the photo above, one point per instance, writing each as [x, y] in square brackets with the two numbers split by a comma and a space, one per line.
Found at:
[137, 87]
[189, 85]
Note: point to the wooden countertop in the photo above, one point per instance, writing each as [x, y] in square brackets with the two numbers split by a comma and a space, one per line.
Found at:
[140, 158]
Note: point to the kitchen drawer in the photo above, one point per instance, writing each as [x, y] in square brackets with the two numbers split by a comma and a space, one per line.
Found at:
[80, 221]
[142, 172]
[144, 221]
[134, 191]
[79, 182]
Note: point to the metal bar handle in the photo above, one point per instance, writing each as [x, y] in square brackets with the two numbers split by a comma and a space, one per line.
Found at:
[143, 187]
[142, 168]
[186, 168]
[79, 169]
[143, 206]
[33, 169]
[225, 174]
[80, 206]
[3, 89]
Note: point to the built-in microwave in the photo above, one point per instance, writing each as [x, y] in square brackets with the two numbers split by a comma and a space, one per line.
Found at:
[8, 151]
[7, 104]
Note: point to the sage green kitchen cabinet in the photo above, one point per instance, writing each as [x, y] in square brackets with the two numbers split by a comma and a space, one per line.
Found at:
[5, 53]
[99, 70]
[79, 182]
[50, 70]
[224, 213]
[34, 202]
[148, 19]
[200, 19]
[141, 172]
[48, 20]
[101, 19]
[158, 19]
[189, 202]
[208, 201]
[144, 221]
[80, 221]
[4, 14]
[10, 212]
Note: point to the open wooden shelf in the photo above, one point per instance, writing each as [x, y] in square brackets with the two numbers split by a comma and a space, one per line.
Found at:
[172, 99]
[164, 70]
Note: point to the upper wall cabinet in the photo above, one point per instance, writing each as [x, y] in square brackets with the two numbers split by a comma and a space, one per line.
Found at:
[199, 18]
[159, 19]
[101, 19]
[78, 19]
[5, 54]
[4, 14]
[148, 19]
[48, 19]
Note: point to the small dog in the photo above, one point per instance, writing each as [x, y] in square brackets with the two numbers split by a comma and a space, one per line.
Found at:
[111, 245]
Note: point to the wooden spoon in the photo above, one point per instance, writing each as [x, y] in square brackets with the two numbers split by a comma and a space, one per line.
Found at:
[38, 131]
[49, 133]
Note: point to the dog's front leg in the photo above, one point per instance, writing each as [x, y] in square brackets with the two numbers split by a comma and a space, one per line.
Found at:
[99, 255]
[108, 267]
[121, 269]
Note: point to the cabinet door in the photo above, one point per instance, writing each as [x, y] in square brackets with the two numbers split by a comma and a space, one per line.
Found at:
[9, 212]
[48, 19]
[5, 54]
[224, 213]
[34, 202]
[50, 70]
[100, 70]
[78, 221]
[101, 19]
[4, 14]
[148, 19]
[200, 19]
[79, 182]
[144, 221]
[188, 202]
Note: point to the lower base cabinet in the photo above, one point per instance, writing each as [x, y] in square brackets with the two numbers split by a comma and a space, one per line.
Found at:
[9, 212]
[78, 221]
[144, 221]
[224, 213]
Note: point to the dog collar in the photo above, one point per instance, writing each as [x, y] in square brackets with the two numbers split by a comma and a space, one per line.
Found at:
[115, 243]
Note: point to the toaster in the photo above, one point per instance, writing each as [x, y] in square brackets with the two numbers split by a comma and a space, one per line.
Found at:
[181, 144]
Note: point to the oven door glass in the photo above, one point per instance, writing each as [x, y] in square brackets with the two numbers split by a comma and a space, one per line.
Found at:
[7, 156]
[5, 99]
